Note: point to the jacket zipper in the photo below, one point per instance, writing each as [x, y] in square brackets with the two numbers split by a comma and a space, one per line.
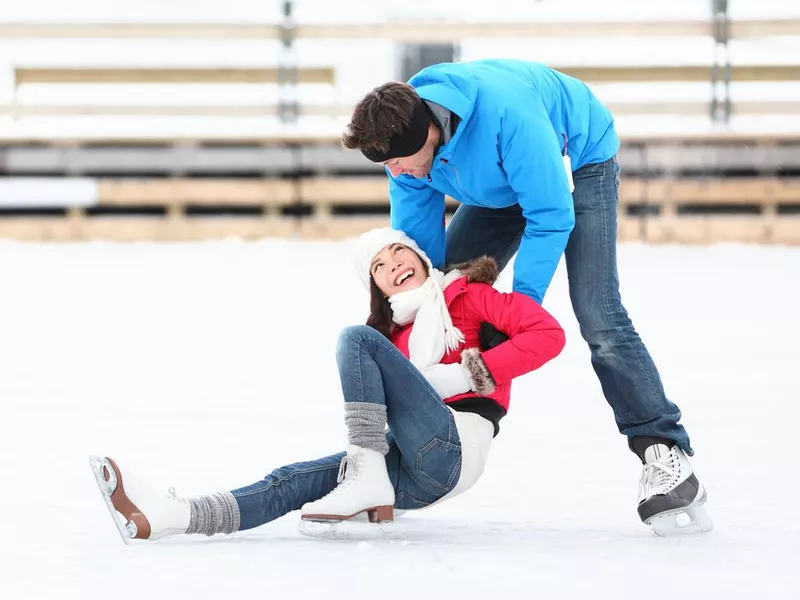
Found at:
[458, 182]
[458, 185]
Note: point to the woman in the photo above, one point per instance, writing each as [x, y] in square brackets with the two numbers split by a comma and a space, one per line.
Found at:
[419, 367]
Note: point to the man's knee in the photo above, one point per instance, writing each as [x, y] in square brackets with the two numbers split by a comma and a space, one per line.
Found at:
[603, 322]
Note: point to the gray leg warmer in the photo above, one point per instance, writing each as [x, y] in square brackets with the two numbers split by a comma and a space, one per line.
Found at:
[215, 513]
[366, 425]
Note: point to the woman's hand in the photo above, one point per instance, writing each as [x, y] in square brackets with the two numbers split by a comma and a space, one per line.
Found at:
[449, 380]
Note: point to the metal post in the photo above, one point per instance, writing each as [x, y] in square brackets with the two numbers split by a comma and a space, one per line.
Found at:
[288, 102]
[287, 68]
[721, 82]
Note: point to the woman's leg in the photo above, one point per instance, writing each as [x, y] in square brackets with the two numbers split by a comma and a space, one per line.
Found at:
[378, 380]
[286, 489]
[380, 386]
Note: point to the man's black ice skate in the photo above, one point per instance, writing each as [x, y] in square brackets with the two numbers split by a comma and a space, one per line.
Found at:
[671, 497]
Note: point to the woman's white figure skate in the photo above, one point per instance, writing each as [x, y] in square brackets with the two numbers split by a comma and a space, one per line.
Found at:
[671, 498]
[139, 512]
[364, 489]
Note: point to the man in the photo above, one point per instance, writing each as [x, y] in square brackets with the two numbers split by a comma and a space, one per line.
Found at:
[531, 155]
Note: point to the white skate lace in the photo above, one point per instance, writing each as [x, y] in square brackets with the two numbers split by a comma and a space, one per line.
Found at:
[660, 476]
[348, 469]
[174, 496]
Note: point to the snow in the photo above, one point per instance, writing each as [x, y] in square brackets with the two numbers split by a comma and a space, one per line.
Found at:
[204, 366]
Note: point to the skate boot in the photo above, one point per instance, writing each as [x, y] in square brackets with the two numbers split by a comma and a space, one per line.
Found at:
[364, 487]
[670, 496]
[146, 513]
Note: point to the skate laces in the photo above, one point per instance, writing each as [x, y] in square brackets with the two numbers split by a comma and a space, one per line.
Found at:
[174, 496]
[659, 476]
[347, 470]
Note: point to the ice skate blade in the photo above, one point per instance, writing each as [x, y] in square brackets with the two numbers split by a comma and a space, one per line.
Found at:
[134, 525]
[350, 529]
[376, 514]
[104, 475]
[106, 478]
[684, 521]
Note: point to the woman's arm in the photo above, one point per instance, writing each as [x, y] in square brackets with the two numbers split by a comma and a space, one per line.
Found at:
[535, 337]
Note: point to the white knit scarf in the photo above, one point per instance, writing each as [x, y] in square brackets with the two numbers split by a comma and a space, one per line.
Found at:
[433, 332]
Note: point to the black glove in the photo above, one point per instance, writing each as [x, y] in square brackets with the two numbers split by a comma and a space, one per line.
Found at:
[490, 336]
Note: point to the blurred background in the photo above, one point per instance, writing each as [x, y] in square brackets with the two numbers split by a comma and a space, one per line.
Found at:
[173, 120]
[208, 362]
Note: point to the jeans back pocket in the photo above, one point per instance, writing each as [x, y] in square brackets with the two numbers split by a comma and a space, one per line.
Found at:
[439, 463]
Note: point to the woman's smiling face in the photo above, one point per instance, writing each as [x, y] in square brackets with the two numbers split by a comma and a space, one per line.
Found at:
[397, 268]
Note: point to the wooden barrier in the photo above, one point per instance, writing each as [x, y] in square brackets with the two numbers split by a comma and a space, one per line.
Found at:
[340, 228]
[707, 229]
[785, 230]
[119, 75]
[200, 110]
[79, 227]
[100, 137]
[325, 191]
[655, 107]
[672, 216]
[667, 197]
[179, 192]
[687, 73]
[662, 209]
[161, 75]
[399, 31]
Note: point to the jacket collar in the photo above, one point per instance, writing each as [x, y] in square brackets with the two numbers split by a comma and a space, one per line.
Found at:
[455, 289]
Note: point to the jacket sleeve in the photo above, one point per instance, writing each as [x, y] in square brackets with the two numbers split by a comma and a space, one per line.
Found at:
[532, 160]
[535, 337]
[418, 210]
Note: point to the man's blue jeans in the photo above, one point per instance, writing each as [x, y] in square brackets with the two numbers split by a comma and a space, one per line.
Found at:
[424, 459]
[627, 374]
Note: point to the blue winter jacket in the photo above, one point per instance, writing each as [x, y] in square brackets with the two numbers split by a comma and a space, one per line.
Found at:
[507, 150]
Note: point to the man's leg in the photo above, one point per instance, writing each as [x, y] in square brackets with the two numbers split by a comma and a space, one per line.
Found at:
[627, 374]
[475, 231]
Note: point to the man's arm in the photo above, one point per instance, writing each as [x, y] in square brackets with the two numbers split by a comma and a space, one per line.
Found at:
[418, 210]
[532, 160]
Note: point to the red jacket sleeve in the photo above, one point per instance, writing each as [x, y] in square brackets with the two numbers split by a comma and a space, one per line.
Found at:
[535, 335]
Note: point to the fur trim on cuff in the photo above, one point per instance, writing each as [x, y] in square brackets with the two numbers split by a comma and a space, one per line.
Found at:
[481, 377]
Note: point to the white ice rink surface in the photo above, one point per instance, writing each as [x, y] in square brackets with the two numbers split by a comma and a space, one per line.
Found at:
[207, 365]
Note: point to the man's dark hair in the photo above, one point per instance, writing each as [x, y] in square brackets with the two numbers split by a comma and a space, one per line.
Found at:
[380, 114]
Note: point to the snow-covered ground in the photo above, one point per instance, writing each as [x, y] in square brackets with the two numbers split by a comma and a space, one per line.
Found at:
[207, 365]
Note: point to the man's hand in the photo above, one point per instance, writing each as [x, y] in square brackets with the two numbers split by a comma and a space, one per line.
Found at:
[490, 336]
[449, 380]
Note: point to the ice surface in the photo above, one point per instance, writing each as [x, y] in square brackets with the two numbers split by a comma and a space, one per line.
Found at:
[207, 365]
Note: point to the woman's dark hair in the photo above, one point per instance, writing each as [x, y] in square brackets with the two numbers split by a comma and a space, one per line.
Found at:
[380, 311]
